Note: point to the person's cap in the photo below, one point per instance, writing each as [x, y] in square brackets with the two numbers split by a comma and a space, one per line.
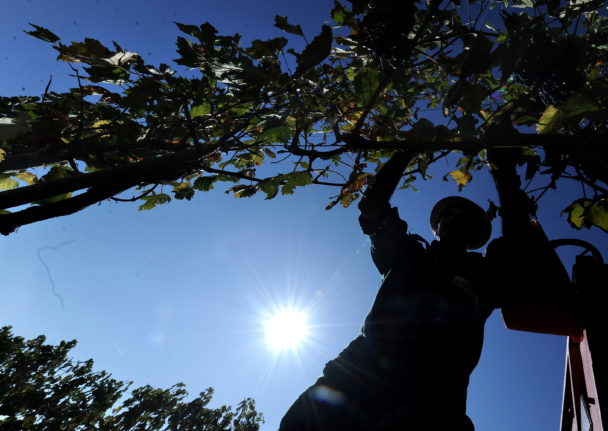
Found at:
[475, 211]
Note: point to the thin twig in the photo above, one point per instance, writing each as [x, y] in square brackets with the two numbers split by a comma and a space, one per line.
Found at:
[136, 198]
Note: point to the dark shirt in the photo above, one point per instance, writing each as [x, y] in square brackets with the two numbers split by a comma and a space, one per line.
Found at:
[421, 340]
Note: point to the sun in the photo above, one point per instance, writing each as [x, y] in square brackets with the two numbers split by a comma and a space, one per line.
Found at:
[286, 329]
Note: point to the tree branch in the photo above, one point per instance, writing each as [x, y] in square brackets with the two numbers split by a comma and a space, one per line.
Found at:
[154, 170]
[10, 222]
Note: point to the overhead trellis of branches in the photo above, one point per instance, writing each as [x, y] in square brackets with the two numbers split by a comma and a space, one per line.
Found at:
[385, 76]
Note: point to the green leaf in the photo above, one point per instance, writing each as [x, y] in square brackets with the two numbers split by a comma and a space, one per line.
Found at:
[276, 134]
[206, 33]
[26, 177]
[191, 30]
[282, 23]
[366, 83]
[153, 200]
[294, 180]
[43, 34]
[552, 120]
[341, 15]
[204, 184]
[587, 213]
[270, 186]
[267, 48]
[549, 121]
[7, 183]
[189, 52]
[200, 110]
[81, 51]
[315, 52]
[183, 190]
[57, 172]
[242, 191]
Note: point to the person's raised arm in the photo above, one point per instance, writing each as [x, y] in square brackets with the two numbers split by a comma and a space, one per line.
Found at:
[385, 181]
[536, 295]
[381, 222]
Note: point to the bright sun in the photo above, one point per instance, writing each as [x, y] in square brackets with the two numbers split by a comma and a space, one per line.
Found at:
[286, 329]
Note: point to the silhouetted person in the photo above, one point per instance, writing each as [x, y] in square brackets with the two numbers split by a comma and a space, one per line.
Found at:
[410, 367]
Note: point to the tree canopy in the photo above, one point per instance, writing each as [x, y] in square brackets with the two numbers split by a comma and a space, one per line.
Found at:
[41, 388]
[437, 77]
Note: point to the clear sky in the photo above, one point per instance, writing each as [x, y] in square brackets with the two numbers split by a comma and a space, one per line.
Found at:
[181, 293]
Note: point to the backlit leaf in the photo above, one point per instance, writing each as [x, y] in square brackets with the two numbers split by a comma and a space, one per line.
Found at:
[276, 134]
[270, 187]
[340, 14]
[282, 23]
[366, 84]
[80, 51]
[243, 191]
[153, 200]
[462, 178]
[26, 177]
[549, 121]
[294, 180]
[315, 52]
[200, 110]
[204, 184]
[43, 34]
[267, 48]
[553, 119]
[586, 213]
[191, 55]
[7, 183]
[183, 190]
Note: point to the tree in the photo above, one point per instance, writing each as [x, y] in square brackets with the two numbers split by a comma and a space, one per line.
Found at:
[42, 389]
[438, 78]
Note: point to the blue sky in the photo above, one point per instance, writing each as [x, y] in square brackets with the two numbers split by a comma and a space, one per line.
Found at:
[180, 293]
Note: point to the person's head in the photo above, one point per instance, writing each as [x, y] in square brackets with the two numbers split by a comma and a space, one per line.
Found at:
[461, 222]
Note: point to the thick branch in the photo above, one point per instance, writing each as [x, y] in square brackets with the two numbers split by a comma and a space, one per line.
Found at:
[80, 151]
[10, 222]
[357, 143]
[153, 170]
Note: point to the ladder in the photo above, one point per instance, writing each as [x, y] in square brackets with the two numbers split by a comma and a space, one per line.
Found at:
[586, 375]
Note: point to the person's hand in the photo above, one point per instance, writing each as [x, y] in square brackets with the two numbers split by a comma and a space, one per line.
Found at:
[386, 180]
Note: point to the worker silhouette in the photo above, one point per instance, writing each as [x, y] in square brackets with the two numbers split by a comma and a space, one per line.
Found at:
[409, 369]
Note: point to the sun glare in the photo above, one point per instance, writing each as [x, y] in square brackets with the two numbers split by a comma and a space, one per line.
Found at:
[286, 329]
